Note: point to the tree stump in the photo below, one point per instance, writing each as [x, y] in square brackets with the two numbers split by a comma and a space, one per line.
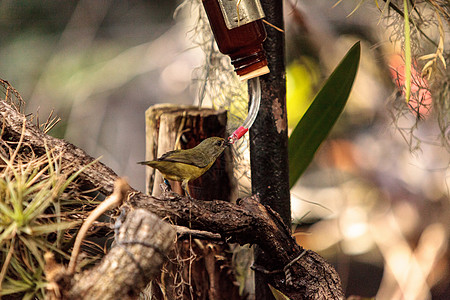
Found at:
[170, 127]
[194, 268]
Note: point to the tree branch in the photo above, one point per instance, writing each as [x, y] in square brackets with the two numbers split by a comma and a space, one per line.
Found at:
[247, 222]
[131, 263]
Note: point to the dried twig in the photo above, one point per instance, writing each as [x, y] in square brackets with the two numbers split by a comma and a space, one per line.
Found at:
[116, 199]
[184, 233]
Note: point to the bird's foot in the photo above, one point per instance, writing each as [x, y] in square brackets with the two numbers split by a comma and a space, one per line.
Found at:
[167, 193]
[167, 183]
[171, 196]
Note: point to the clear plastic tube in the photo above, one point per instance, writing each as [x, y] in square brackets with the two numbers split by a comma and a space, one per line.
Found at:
[255, 91]
[255, 88]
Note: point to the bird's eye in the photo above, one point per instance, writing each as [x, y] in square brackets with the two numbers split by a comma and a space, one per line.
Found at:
[219, 143]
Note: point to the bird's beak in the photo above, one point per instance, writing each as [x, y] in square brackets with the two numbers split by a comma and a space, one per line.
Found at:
[227, 143]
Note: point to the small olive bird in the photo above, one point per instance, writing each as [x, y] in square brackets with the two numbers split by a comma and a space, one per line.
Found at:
[189, 164]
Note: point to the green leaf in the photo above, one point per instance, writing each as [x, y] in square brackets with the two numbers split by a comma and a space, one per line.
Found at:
[277, 294]
[407, 52]
[7, 232]
[13, 287]
[323, 112]
[356, 8]
[33, 249]
[52, 227]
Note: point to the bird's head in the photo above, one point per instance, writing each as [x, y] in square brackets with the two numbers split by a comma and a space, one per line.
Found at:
[213, 146]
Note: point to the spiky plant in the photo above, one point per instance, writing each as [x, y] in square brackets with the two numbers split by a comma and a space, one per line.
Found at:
[41, 207]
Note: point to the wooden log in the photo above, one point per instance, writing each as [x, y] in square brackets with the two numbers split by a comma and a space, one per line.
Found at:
[170, 127]
[139, 251]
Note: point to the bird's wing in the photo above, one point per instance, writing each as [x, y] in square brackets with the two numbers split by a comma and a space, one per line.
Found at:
[194, 158]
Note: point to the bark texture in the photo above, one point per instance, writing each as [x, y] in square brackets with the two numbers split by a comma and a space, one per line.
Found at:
[268, 135]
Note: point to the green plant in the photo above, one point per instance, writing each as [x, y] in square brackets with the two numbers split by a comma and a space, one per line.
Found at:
[319, 119]
[37, 207]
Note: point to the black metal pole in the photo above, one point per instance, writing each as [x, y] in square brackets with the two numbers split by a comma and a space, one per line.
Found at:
[268, 135]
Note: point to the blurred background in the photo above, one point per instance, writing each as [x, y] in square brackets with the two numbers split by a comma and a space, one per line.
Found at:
[375, 201]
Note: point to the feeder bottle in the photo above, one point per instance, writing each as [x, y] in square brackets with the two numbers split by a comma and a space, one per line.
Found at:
[239, 33]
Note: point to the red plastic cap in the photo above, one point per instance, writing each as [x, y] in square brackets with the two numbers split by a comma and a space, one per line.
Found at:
[237, 134]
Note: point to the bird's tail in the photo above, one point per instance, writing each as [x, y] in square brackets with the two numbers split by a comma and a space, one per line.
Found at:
[146, 163]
